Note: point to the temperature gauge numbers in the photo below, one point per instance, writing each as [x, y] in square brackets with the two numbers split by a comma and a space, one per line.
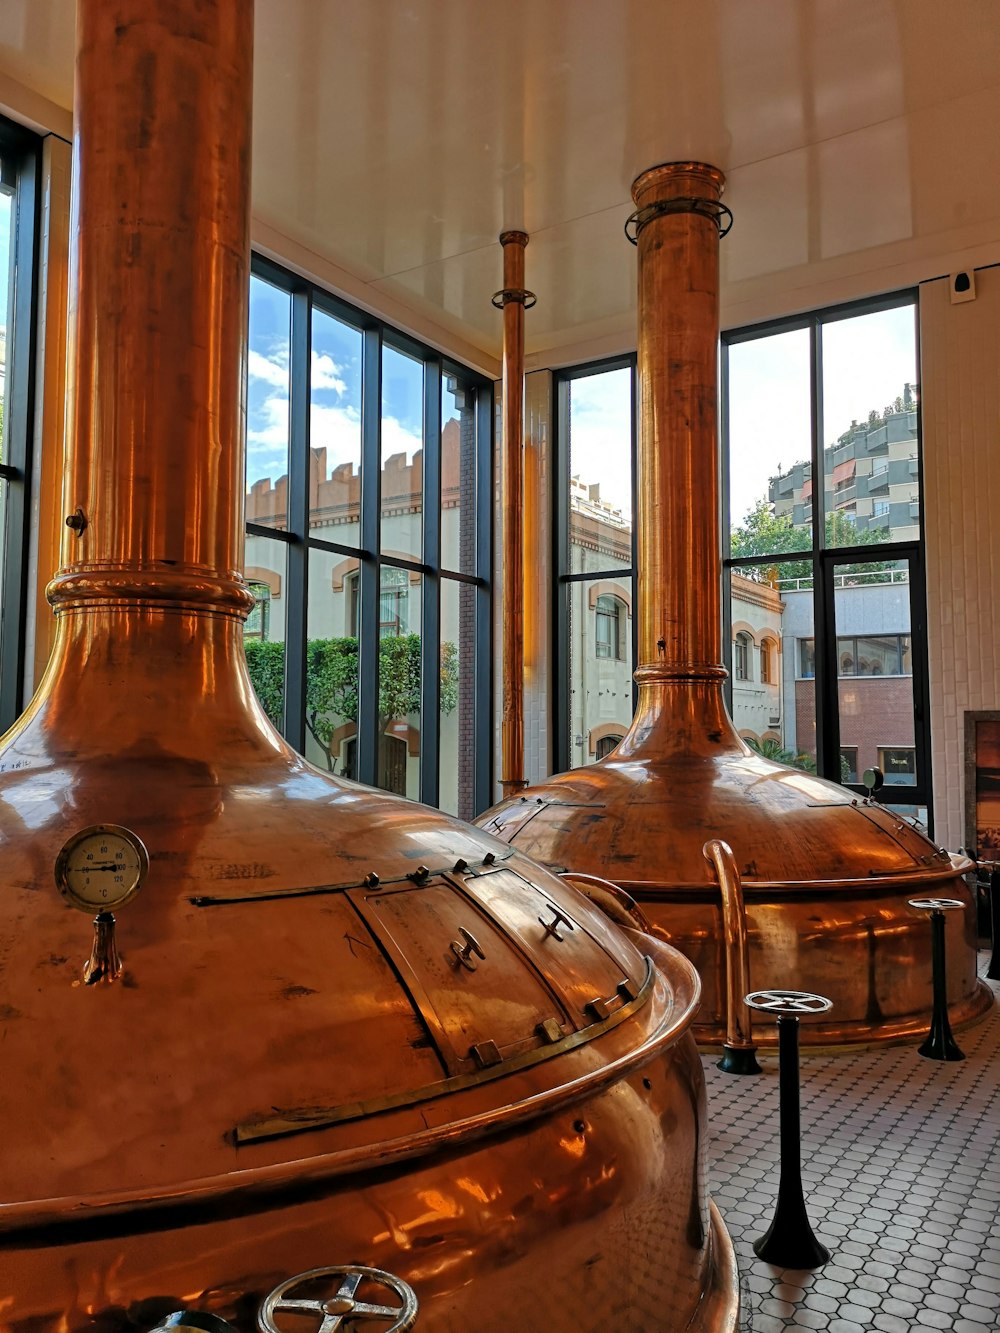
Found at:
[101, 868]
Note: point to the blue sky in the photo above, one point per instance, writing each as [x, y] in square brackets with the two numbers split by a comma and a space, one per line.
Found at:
[335, 408]
[866, 362]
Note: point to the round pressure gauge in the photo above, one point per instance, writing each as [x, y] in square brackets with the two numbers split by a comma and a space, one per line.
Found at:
[101, 867]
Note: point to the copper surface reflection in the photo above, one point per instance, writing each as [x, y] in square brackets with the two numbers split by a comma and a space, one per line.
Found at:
[302, 1064]
[825, 877]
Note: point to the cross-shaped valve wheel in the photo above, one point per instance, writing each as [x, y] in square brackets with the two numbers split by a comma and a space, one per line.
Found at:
[342, 1305]
[935, 904]
[788, 1002]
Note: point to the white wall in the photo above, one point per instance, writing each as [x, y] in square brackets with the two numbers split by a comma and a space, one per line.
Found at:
[960, 395]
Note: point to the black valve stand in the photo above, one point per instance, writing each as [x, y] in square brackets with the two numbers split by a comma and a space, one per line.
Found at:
[789, 1241]
[940, 1044]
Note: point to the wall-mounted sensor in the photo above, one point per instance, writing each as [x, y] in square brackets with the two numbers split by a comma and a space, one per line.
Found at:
[963, 286]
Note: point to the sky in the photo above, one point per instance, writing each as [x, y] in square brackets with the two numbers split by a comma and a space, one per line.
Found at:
[866, 362]
[335, 406]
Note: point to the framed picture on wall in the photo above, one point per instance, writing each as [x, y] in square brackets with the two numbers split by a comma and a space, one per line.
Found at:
[982, 784]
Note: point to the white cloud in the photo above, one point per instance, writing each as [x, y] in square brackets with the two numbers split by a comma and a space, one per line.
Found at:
[269, 424]
[326, 374]
[338, 431]
[396, 439]
[271, 369]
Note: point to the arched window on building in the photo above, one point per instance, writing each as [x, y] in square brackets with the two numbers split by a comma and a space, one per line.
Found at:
[394, 589]
[606, 744]
[741, 657]
[611, 621]
[259, 619]
[768, 662]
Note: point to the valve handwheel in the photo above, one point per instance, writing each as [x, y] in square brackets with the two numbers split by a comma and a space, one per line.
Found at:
[341, 1304]
[785, 1003]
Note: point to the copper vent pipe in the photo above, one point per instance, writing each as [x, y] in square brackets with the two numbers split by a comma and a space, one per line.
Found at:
[514, 300]
[680, 671]
[153, 485]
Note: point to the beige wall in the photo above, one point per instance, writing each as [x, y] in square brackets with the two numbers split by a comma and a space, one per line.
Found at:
[960, 396]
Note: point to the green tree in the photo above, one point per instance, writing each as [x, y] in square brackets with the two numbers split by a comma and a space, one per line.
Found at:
[766, 534]
[772, 749]
[332, 682]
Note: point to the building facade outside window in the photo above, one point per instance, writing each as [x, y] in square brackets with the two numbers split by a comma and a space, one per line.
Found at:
[20, 155]
[822, 481]
[605, 745]
[369, 459]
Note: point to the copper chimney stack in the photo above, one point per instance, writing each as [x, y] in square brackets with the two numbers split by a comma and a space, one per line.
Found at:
[813, 894]
[267, 1034]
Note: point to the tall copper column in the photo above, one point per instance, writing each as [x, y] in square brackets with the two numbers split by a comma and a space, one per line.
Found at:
[822, 878]
[513, 299]
[158, 309]
[321, 1024]
[679, 569]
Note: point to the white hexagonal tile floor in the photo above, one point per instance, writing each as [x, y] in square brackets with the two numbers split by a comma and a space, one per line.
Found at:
[901, 1170]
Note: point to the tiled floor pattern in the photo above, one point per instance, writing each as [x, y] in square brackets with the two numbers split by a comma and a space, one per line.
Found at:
[901, 1167]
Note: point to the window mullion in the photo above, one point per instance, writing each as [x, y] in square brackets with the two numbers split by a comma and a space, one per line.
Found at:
[430, 601]
[368, 628]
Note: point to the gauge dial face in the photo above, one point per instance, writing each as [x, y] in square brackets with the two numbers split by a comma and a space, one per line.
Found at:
[101, 867]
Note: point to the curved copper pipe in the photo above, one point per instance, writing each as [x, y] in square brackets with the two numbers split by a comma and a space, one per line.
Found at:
[512, 777]
[739, 1027]
[611, 898]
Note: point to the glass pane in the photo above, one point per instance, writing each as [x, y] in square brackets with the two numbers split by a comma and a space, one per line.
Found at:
[770, 430]
[870, 421]
[600, 465]
[399, 682]
[874, 665]
[265, 570]
[458, 683]
[335, 431]
[402, 455]
[267, 404]
[332, 663]
[774, 700]
[600, 666]
[458, 477]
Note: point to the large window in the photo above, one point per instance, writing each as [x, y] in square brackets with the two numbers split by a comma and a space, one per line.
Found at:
[19, 160]
[823, 491]
[368, 540]
[595, 588]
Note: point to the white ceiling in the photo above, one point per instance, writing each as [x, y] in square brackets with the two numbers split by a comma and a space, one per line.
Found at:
[395, 139]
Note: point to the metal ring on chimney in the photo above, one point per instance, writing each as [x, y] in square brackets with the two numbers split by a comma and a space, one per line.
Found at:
[708, 208]
[509, 294]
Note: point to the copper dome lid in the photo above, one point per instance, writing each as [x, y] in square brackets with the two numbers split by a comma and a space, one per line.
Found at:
[310, 1024]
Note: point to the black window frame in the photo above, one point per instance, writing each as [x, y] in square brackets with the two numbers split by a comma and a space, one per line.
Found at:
[298, 539]
[825, 559]
[20, 174]
[561, 556]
